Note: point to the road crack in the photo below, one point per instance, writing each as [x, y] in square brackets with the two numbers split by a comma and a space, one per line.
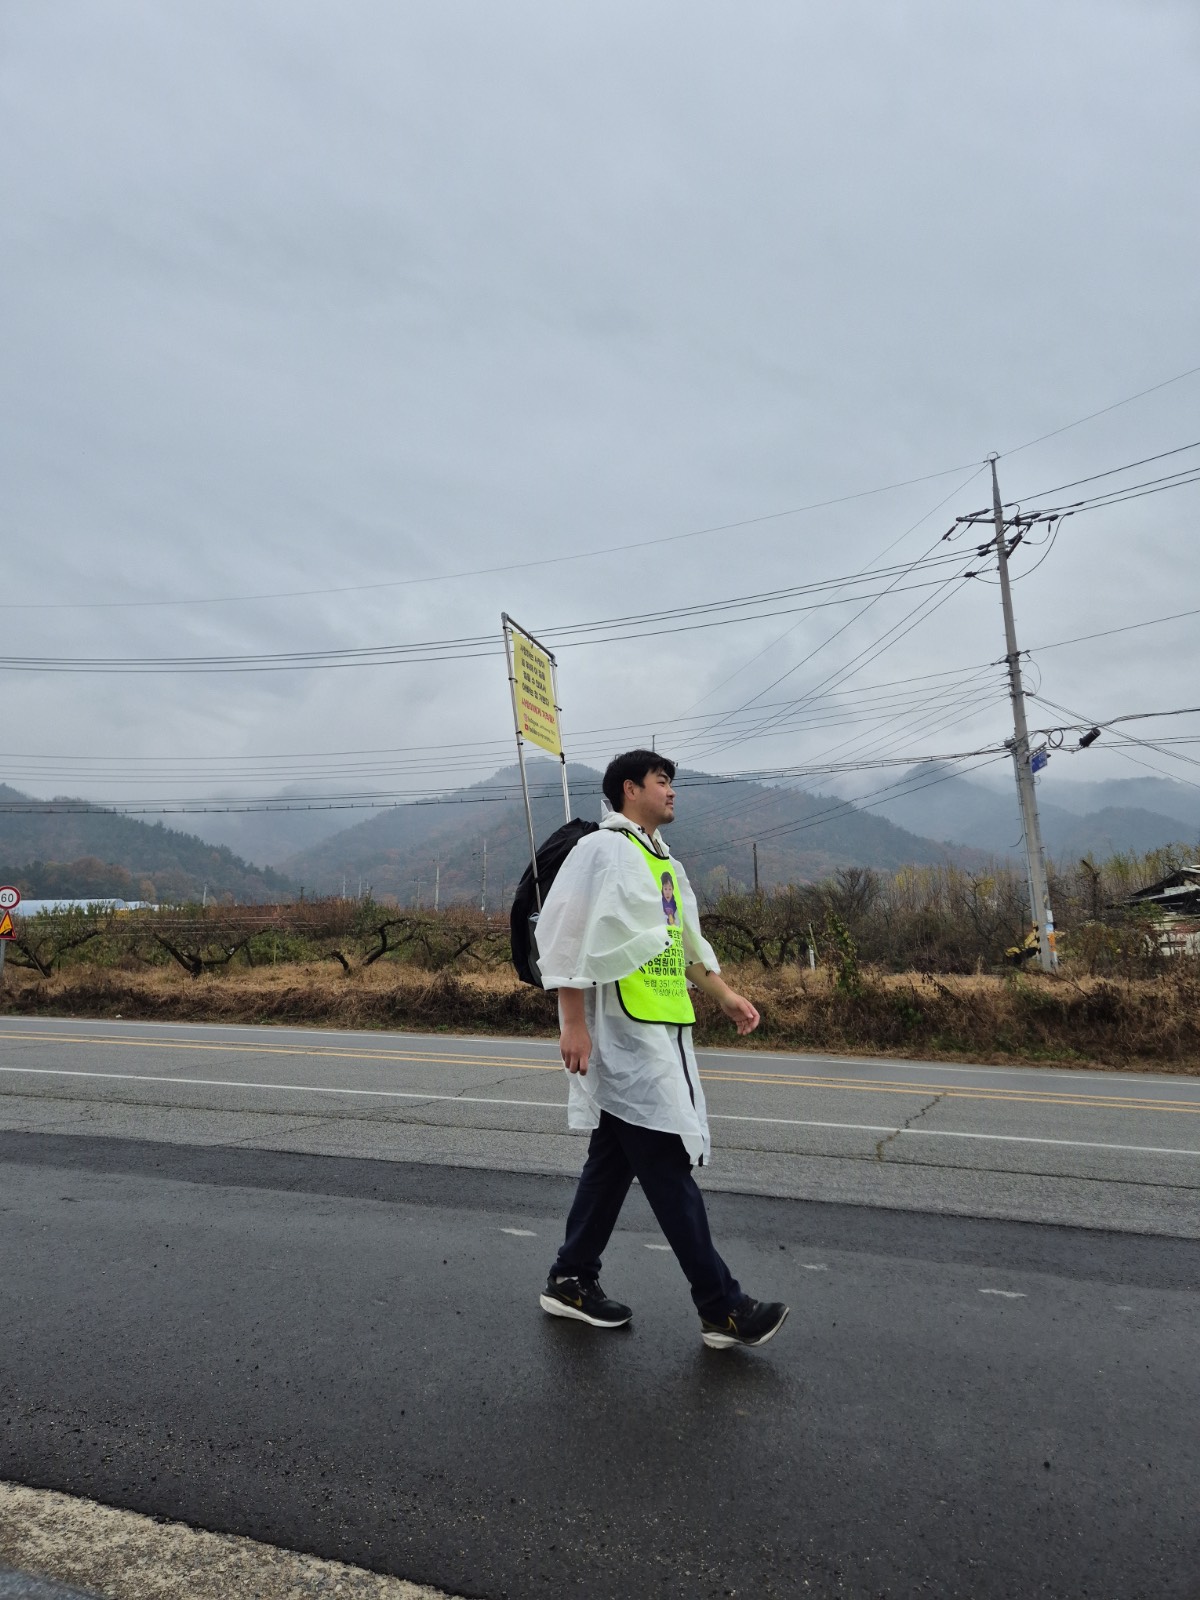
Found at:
[906, 1124]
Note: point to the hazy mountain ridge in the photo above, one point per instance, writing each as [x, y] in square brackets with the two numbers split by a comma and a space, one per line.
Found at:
[270, 837]
[397, 849]
[394, 852]
[95, 851]
[961, 811]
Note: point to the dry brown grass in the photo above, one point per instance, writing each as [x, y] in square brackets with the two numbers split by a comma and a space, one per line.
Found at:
[1150, 1023]
[382, 996]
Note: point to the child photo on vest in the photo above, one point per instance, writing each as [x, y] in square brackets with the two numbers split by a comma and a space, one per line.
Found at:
[669, 902]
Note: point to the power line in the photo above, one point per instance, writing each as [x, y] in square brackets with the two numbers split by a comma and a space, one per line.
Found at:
[870, 652]
[697, 616]
[1117, 750]
[479, 795]
[1103, 412]
[866, 802]
[1133, 716]
[867, 574]
[469, 647]
[823, 763]
[1096, 502]
[1116, 497]
[886, 550]
[1111, 472]
[834, 768]
[44, 769]
[884, 693]
[582, 555]
[1107, 633]
[482, 572]
[1148, 744]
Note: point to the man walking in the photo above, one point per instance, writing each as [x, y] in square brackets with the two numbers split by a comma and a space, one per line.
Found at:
[619, 938]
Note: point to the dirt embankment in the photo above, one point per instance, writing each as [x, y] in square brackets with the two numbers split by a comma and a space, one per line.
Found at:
[1153, 1023]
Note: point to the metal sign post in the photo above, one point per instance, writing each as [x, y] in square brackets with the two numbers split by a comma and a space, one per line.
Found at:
[562, 759]
[533, 683]
[10, 899]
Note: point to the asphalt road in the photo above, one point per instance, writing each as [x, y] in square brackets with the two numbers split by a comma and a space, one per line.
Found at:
[1088, 1148]
[346, 1356]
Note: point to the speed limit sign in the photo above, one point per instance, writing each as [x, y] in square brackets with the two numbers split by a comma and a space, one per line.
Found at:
[10, 898]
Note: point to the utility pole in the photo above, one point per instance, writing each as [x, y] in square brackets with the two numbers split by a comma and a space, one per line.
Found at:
[754, 848]
[483, 896]
[437, 883]
[1035, 856]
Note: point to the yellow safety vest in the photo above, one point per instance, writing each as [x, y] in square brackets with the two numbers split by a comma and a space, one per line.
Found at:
[658, 991]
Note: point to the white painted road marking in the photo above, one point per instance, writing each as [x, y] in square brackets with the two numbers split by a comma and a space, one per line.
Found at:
[814, 1266]
[554, 1105]
[1005, 1294]
[520, 1233]
[169, 1030]
[657, 1247]
[948, 1133]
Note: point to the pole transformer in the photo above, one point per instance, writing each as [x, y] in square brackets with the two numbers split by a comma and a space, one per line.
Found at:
[1035, 856]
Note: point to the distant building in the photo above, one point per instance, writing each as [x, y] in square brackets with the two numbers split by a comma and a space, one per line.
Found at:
[30, 908]
[1177, 900]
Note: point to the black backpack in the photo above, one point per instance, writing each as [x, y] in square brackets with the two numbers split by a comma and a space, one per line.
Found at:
[524, 914]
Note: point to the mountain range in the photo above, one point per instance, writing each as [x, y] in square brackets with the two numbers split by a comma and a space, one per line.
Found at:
[401, 852]
[1097, 819]
[472, 844]
[90, 852]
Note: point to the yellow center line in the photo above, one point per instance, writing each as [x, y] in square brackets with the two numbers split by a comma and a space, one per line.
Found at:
[750, 1078]
[285, 1050]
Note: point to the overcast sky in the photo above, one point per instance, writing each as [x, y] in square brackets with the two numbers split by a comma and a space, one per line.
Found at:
[306, 296]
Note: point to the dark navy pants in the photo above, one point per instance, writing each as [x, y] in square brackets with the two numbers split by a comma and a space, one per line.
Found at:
[618, 1153]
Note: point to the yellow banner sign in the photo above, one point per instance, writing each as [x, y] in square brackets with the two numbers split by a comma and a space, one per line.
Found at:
[537, 717]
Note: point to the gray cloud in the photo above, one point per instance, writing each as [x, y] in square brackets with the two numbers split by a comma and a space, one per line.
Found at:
[298, 296]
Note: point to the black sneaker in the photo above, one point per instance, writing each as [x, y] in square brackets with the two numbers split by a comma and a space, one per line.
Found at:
[755, 1323]
[584, 1301]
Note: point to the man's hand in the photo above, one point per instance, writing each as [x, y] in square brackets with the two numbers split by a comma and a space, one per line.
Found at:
[740, 1012]
[736, 1007]
[575, 1046]
[574, 1040]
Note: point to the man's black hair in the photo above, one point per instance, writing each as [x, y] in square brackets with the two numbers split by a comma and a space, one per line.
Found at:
[635, 765]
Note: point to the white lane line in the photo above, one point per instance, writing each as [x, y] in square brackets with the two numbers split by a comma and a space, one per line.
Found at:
[557, 1105]
[814, 1266]
[520, 1233]
[317, 1036]
[1005, 1294]
[744, 1058]
[281, 1088]
[947, 1133]
[656, 1246]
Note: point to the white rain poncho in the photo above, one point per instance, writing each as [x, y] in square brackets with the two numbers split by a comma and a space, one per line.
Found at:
[602, 919]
